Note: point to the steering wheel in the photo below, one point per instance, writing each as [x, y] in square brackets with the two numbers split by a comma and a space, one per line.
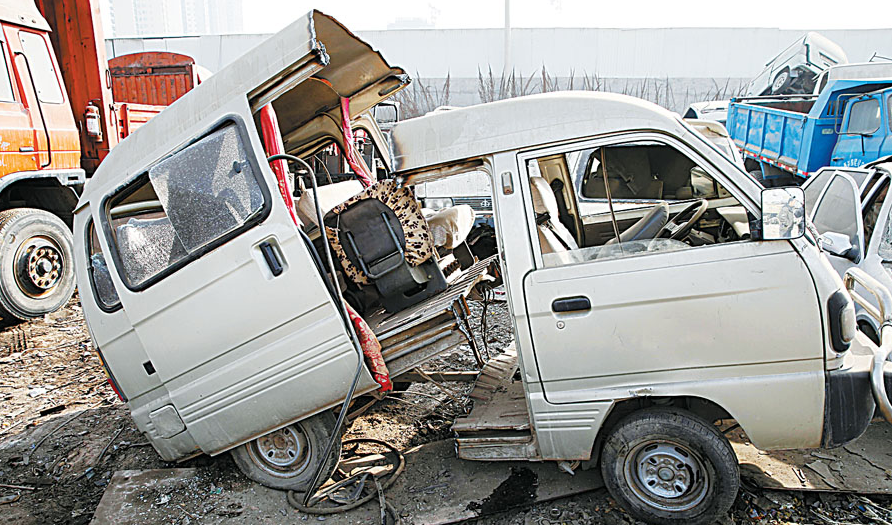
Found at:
[675, 228]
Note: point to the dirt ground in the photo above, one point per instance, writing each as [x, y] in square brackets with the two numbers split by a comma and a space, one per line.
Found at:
[64, 432]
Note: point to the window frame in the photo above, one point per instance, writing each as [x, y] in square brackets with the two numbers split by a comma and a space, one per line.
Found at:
[524, 156]
[88, 244]
[5, 56]
[134, 183]
[852, 107]
[53, 65]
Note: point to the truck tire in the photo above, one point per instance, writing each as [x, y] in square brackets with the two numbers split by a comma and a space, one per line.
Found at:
[36, 263]
[781, 82]
[286, 459]
[757, 174]
[669, 466]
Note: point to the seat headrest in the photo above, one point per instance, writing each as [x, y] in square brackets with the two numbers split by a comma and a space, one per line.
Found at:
[330, 195]
[543, 197]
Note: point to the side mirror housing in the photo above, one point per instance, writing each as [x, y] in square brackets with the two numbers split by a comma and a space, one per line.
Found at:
[839, 244]
[783, 213]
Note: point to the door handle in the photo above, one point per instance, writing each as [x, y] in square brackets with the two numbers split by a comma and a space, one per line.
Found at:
[272, 258]
[578, 303]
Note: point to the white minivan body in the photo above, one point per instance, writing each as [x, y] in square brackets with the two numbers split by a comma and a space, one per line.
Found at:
[226, 325]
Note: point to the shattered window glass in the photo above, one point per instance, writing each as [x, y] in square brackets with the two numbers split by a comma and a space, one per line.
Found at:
[208, 189]
[183, 204]
[102, 283]
[885, 247]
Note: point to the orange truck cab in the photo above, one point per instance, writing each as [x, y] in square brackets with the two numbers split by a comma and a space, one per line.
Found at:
[40, 167]
[58, 121]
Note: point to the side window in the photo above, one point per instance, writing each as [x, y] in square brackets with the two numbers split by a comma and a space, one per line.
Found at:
[187, 204]
[889, 110]
[687, 207]
[644, 171]
[5, 80]
[100, 278]
[864, 117]
[837, 209]
[871, 212]
[46, 82]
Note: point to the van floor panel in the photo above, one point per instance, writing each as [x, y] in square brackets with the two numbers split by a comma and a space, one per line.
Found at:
[499, 402]
[385, 324]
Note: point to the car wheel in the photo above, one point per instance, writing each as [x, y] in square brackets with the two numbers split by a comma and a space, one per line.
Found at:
[781, 82]
[36, 264]
[757, 174]
[669, 466]
[287, 459]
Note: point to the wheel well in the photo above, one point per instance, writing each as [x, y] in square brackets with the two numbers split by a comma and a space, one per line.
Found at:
[704, 408]
[44, 194]
[751, 165]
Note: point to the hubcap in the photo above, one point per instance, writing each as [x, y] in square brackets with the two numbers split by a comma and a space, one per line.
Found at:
[38, 266]
[779, 81]
[666, 475]
[283, 452]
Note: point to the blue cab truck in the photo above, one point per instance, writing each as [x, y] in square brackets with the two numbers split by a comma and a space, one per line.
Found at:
[784, 139]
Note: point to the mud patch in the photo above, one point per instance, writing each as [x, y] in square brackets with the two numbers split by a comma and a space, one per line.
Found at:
[518, 489]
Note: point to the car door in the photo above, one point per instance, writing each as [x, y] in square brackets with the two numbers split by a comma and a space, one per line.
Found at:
[863, 133]
[605, 327]
[837, 217]
[223, 292]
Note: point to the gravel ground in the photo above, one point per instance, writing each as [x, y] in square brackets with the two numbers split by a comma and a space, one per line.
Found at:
[63, 432]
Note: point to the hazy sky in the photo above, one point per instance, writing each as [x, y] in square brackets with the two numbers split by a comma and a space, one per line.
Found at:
[270, 15]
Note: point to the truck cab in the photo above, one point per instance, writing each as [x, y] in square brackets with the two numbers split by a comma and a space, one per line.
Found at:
[865, 133]
[226, 324]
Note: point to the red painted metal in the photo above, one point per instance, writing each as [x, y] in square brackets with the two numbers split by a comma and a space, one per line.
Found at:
[272, 143]
[156, 77]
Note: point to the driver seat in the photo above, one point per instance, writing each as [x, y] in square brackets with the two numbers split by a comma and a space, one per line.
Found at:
[553, 236]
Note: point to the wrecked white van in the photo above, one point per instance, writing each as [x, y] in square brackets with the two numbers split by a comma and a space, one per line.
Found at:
[226, 323]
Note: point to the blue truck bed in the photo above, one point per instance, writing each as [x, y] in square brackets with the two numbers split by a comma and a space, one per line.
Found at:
[796, 134]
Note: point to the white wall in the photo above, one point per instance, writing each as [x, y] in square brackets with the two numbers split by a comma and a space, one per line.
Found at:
[636, 53]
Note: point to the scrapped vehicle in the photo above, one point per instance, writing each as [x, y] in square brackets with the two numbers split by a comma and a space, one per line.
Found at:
[786, 139]
[716, 133]
[795, 69]
[716, 110]
[225, 323]
[848, 206]
[857, 71]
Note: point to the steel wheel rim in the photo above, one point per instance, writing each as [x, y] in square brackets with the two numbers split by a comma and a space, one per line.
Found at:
[779, 81]
[666, 475]
[283, 453]
[38, 266]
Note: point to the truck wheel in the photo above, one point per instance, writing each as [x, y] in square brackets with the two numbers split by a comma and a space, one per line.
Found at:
[669, 466]
[36, 263]
[757, 174]
[781, 82]
[287, 458]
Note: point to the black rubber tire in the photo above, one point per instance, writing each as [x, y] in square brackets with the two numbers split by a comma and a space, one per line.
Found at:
[786, 83]
[17, 226]
[691, 432]
[317, 430]
[757, 174]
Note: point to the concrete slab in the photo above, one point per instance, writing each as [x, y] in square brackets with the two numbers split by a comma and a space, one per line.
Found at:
[864, 466]
[437, 488]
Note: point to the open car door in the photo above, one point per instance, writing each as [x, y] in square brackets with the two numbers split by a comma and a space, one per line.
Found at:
[220, 287]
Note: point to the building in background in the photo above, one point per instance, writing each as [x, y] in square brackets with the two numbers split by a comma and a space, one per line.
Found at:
[131, 18]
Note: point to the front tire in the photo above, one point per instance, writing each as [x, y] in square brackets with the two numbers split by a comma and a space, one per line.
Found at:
[669, 466]
[287, 458]
[36, 263]
[781, 82]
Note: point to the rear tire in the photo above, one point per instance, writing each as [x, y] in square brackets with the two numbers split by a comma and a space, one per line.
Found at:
[36, 263]
[287, 458]
[757, 174]
[669, 466]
